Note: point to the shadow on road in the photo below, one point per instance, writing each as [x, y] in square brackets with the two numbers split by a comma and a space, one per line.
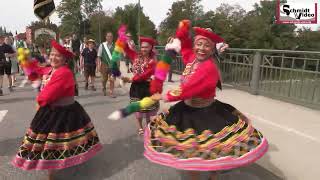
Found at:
[251, 172]
[16, 99]
[121, 153]
[10, 146]
[97, 103]
[113, 158]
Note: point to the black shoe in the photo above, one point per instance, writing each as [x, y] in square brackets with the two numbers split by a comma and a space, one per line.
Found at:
[86, 87]
[1, 93]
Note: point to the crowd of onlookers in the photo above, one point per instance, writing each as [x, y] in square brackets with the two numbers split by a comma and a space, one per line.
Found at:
[93, 58]
[90, 58]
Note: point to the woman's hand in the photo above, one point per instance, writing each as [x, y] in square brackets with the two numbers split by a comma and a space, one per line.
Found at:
[170, 39]
[223, 48]
[242, 117]
[126, 79]
[156, 97]
[45, 77]
[245, 118]
[173, 44]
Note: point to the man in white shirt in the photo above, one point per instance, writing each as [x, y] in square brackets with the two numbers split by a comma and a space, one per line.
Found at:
[104, 61]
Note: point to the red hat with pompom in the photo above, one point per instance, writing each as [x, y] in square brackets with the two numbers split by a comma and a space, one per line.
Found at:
[148, 40]
[64, 51]
[202, 33]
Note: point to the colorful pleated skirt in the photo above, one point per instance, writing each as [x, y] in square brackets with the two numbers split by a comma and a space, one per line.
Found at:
[203, 139]
[59, 137]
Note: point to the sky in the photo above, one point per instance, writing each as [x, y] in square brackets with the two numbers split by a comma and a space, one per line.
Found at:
[17, 14]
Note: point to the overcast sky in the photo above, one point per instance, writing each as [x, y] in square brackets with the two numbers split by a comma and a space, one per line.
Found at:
[17, 14]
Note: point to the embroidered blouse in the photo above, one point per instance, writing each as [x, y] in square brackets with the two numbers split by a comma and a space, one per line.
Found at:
[199, 79]
[60, 84]
[143, 67]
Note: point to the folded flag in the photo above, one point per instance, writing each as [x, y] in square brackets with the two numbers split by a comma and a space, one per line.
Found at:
[43, 8]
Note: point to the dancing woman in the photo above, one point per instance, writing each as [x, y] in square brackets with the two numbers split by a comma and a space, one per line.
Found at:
[200, 133]
[61, 134]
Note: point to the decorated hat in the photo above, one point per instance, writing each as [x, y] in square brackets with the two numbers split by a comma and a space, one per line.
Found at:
[65, 52]
[202, 33]
[151, 41]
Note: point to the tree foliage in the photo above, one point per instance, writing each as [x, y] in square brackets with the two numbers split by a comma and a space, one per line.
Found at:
[86, 18]
[187, 9]
[240, 29]
[107, 23]
[308, 40]
[74, 15]
[128, 15]
[3, 31]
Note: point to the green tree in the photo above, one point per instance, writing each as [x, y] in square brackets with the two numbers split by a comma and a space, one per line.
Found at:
[260, 31]
[128, 15]
[225, 21]
[74, 15]
[106, 21]
[308, 40]
[186, 9]
[69, 11]
[90, 6]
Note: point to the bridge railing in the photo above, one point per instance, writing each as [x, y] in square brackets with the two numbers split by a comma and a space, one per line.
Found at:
[292, 76]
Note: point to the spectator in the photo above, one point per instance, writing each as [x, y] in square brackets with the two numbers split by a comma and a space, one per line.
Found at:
[6, 52]
[14, 62]
[89, 55]
[104, 59]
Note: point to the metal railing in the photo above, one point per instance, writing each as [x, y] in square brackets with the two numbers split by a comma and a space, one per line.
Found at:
[292, 76]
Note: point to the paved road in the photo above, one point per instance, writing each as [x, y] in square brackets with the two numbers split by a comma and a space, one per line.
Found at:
[122, 159]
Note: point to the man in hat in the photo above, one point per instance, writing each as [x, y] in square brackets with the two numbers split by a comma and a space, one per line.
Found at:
[83, 45]
[6, 52]
[89, 59]
[104, 57]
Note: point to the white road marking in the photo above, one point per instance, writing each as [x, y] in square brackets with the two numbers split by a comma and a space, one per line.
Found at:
[2, 114]
[285, 128]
